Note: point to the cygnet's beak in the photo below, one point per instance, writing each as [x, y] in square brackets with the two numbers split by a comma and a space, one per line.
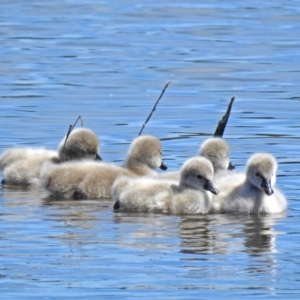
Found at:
[266, 186]
[231, 166]
[117, 205]
[210, 187]
[98, 157]
[163, 166]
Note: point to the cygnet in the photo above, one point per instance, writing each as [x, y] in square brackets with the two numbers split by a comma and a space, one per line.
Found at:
[192, 195]
[94, 180]
[12, 155]
[217, 151]
[82, 143]
[22, 166]
[253, 192]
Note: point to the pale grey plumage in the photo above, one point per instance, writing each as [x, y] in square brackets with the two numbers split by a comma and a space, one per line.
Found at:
[253, 192]
[22, 166]
[94, 180]
[82, 143]
[217, 151]
[148, 194]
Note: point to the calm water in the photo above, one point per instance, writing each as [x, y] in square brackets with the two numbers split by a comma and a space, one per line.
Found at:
[108, 61]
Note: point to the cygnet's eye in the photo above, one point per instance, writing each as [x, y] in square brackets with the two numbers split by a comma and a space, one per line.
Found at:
[257, 174]
[199, 177]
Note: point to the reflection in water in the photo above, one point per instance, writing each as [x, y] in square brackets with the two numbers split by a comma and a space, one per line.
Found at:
[259, 234]
[219, 233]
[146, 230]
[83, 213]
[197, 236]
[228, 236]
[19, 195]
[62, 220]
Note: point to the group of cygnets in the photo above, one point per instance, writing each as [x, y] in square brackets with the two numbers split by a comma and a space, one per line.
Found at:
[205, 183]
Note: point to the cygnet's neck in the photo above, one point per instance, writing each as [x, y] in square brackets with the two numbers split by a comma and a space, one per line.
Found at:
[251, 186]
[138, 167]
[183, 185]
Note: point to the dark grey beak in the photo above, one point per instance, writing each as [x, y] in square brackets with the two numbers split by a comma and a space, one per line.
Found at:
[163, 166]
[266, 186]
[98, 157]
[117, 205]
[210, 187]
[231, 166]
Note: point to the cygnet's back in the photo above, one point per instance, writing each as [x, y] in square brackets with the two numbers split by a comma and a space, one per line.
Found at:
[147, 194]
[80, 179]
[253, 192]
[25, 164]
[95, 179]
[22, 166]
[13, 155]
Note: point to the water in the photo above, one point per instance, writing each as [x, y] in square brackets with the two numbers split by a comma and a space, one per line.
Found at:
[108, 62]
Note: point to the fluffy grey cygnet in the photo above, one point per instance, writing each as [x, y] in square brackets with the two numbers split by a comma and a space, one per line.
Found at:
[94, 180]
[22, 166]
[253, 192]
[192, 195]
[217, 151]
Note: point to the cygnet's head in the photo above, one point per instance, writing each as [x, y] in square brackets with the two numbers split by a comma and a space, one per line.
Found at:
[146, 149]
[217, 151]
[197, 172]
[82, 143]
[261, 172]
